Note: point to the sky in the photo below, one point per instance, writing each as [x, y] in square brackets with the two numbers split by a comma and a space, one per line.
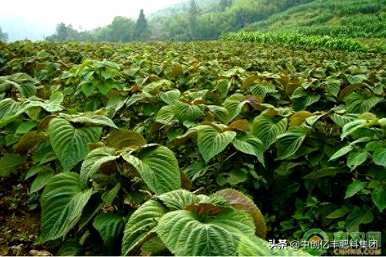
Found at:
[30, 17]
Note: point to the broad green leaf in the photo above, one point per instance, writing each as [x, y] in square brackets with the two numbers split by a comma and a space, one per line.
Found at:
[351, 127]
[379, 157]
[109, 196]
[41, 180]
[239, 201]
[51, 105]
[339, 213]
[357, 103]
[356, 79]
[22, 82]
[267, 128]
[70, 144]
[187, 112]
[341, 152]
[124, 138]
[253, 246]
[357, 217]
[94, 161]
[289, 143]
[9, 163]
[234, 104]
[109, 227]
[250, 145]
[221, 113]
[158, 168]
[178, 199]
[184, 234]
[62, 203]
[355, 187]
[379, 198]
[166, 115]
[25, 127]
[69, 248]
[356, 159]
[170, 97]
[212, 142]
[141, 224]
[92, 119]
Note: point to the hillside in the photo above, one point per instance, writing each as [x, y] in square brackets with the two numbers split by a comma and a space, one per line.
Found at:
[354, 18]
[212, 19]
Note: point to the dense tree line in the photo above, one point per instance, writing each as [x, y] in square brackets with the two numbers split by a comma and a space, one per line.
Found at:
[192, 23]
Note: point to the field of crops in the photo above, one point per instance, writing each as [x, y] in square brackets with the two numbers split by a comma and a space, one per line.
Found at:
[207, 148]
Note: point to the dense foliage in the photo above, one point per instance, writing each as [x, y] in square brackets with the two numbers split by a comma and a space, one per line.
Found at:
[352, 18]
[203, 19]
[135, 145]
[293, 39]
[191, 20]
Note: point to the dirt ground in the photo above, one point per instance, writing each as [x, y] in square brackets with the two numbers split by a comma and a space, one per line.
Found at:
[19, 221]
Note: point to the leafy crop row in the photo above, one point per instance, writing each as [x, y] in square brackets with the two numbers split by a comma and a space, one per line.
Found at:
[295, 39]
[136, 146]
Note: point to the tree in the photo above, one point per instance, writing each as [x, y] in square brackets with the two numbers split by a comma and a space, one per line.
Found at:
[141, 27]
[193, 24]
[121, 29]
[64, 33]
[3, 36]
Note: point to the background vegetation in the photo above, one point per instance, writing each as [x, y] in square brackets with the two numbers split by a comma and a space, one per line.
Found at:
[202, 20]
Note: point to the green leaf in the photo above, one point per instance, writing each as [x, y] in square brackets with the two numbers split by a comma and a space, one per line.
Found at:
[379, 157]
[170, 97]
[25, 127]
[166, 115]
[339, 213]
[234, 104]
[70, 144]
[212, 142]
[52, 105]
[253, 246]
[94, 161]
[241, 202]
[109, 196]
[289, 143]
[341, 152]
[90, 119]
[158, 169]
[267, 128]
[70, 248]
[379, 198]
[109, 227]
[178, 199]
[9, 163]
[62, 203]
[357, 103]
[185, 234]
[41, 180]
[186, 112]
[354, 188]
[250, 145]
[220, 112]
[356, 159]
[351, 127]
[356, 79]
[357, 217]
[22, 82]
[124, 138]
[140, 225]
